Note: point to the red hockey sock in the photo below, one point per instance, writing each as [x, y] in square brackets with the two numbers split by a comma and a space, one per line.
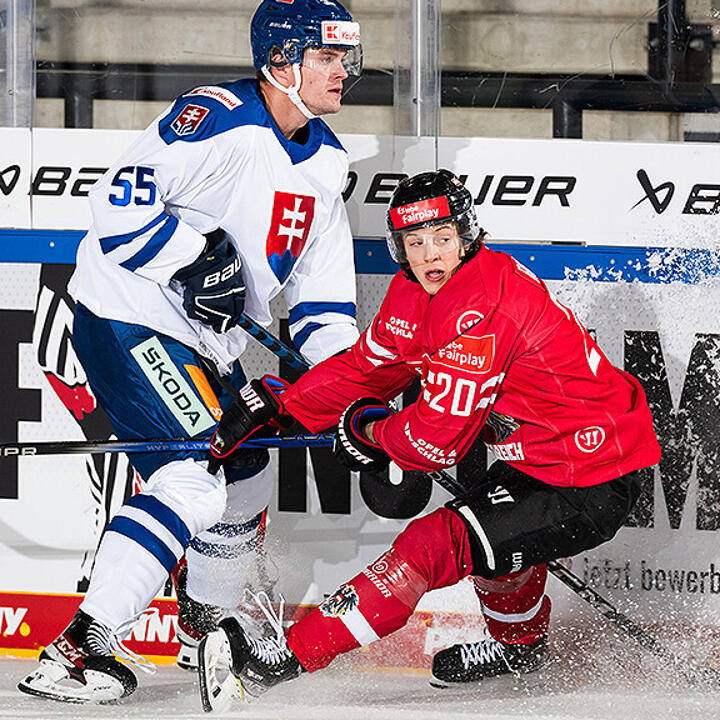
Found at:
[514, 606]
[431, 552]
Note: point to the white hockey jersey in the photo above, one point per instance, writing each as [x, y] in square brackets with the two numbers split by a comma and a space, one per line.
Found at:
[216, 159]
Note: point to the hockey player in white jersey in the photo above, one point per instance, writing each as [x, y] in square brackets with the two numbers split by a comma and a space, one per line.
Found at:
[230, 197]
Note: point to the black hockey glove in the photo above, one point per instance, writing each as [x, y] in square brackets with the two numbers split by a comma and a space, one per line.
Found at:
[256, 412]
[352, 447]
[213, 285]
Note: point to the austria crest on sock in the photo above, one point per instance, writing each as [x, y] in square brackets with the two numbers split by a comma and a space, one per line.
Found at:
[292, 216]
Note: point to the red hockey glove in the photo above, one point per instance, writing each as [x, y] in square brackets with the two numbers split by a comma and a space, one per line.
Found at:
[256, 412]
[352, 447]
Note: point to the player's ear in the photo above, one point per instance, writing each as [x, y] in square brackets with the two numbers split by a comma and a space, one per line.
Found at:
[280, 68]
[283, 75]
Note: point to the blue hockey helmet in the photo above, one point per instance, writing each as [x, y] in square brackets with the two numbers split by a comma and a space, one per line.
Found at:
[294, 25]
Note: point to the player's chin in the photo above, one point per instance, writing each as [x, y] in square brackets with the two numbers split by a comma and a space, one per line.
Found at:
[431, 286]
[334, 101]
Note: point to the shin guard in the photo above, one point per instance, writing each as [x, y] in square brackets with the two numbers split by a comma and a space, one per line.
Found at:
[431, 552]
[515, 606]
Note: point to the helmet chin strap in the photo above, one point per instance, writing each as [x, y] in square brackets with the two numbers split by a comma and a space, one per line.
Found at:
[293, 91]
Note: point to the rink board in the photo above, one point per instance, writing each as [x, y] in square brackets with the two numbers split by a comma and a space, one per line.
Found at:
[645, 285]
[27, 620]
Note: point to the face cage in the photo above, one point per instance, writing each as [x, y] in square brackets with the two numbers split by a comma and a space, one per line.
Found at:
[352, 62]
[394, 238]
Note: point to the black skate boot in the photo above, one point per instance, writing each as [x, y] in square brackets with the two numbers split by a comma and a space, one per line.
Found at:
[232, 663]
[79, 666]
[475, 662]
[195, 620]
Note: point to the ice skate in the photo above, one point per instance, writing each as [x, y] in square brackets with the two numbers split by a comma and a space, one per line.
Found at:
[195, 620]
[79, 666]
[484, 660]
[234, 664]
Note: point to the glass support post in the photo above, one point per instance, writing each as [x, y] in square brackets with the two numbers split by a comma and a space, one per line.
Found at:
[417, 68]
[17, 39]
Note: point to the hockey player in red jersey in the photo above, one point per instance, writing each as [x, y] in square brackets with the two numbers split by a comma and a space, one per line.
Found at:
[497, 355]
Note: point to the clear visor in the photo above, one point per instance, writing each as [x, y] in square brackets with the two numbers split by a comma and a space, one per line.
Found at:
[423, 241]
[330, 60]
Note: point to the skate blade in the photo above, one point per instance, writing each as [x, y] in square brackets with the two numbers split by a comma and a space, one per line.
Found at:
[53, 681]
[218, 685]
[509, 682]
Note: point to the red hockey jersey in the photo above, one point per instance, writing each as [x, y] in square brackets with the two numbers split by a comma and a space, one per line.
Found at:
[497, 353]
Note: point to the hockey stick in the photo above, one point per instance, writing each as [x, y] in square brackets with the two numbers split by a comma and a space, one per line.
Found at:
[273, 344]
[116, 446]
[695, 674]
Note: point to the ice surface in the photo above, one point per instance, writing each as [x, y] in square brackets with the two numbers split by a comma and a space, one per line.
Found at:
[343, 693]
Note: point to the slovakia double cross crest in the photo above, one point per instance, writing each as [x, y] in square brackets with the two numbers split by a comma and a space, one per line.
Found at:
[189, 119]
[292, 216]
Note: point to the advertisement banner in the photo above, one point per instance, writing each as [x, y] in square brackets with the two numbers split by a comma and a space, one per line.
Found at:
[645, 285]
[326, 524]
[15, 157]
[594, 193]
[574, 191]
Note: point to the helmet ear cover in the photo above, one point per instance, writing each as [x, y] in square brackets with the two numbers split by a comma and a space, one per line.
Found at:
[276, 57]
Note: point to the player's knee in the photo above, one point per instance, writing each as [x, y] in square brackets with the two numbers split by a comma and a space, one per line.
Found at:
[484, 563]
[191, 492]
[436, 545]
[506, 584]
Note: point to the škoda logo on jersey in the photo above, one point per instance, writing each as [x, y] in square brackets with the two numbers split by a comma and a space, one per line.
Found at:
[471, 354]
[419, 212]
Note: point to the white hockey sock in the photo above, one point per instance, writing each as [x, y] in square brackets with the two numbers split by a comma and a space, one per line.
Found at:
[147, 538]
[124, 581]
[219, 559]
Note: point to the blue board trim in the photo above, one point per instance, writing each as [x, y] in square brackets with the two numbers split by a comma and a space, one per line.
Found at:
[550, 262]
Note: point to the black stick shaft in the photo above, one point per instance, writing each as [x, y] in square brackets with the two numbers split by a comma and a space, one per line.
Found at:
[82, 447]
[273, 344]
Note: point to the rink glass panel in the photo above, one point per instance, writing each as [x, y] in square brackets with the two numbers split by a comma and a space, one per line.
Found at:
[601, 70]
[420, 110]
